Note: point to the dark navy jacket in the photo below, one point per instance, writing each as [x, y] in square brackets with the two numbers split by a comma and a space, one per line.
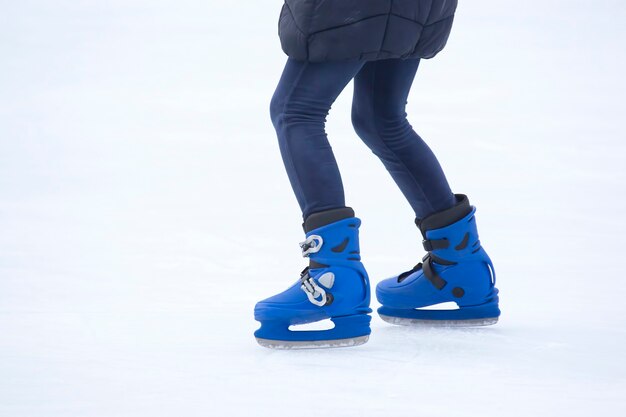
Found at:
[331, 30]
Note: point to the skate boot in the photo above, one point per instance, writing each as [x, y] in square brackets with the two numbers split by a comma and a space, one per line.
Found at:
[335, 285]
[455, 269]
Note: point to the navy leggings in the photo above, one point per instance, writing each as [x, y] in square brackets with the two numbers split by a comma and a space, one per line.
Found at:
[299, 108]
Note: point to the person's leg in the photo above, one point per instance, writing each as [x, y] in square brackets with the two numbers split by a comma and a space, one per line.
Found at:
[381, 90]
[456, 267]
[335, 285]
[298, 110]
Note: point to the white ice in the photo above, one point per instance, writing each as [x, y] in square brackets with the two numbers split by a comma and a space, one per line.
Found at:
[144, 210]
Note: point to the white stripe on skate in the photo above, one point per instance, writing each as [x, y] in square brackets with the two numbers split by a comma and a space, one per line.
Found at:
[450, 305]
[326, 324]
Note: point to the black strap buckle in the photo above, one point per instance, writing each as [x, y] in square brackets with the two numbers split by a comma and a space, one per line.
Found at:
[431, 274]
[434, 244]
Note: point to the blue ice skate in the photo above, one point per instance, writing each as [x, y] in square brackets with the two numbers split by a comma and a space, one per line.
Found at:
[455, 269]
[335, 285]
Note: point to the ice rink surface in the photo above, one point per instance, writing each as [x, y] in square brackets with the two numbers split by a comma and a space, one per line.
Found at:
[144, 210]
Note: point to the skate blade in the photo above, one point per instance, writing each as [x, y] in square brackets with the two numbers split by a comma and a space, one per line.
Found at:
[312, 344]
[488, 321]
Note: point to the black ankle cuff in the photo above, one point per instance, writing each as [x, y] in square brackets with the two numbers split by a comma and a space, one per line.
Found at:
[446, 217]
[322, 218]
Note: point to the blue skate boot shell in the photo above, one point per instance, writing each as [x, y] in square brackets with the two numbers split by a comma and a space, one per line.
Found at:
[334, 286]
[456, 269]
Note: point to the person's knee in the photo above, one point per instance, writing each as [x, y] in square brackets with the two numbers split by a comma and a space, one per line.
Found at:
[276, 110]
[380, 130]
[363, 123]
[292, 114]
[377, 123]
